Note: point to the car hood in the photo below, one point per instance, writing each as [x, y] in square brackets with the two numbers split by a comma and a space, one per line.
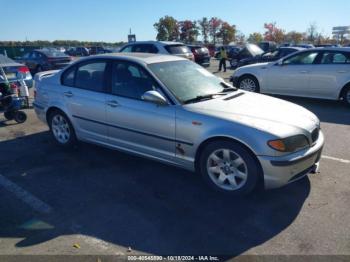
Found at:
[268, 114]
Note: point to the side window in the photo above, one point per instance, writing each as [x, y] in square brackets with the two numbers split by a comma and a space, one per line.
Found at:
[27, 55]
[153, 49]
[304, 58]
[334, 58]
[68, 77]
[126, 49]
[91, 76]
[129, 80]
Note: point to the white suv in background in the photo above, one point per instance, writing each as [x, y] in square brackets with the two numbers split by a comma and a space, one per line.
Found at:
[159, 47]
[317, 73]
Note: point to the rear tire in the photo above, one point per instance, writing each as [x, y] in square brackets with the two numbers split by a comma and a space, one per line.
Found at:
[61, 129]
[228, 167]
[9, 115]
[20, 117]
[249, 83]
[346, 96]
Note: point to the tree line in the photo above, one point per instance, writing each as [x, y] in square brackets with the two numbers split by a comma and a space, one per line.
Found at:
[212, 30]
[215, 30]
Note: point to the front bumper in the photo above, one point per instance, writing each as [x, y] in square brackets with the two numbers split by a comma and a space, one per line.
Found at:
[234, 80]
[279, 171]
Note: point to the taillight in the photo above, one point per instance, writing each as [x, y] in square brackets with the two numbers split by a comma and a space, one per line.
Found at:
[23, 69]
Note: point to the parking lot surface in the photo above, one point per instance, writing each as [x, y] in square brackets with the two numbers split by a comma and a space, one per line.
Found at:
[92, 200]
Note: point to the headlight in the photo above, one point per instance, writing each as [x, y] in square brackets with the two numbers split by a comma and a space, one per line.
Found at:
[289, 144]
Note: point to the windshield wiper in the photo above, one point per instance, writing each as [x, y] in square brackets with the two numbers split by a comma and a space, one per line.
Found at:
[201, 98]
[227, 87]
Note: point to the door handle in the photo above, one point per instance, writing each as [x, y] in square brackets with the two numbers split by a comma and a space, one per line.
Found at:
[304, 72]
[112, 103]
[68, 94]
[341, 71]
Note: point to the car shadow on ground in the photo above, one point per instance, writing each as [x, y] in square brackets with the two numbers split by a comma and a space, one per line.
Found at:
[135, 202]
[327, 110]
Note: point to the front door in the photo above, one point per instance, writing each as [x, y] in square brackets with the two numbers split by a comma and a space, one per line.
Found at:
[133, 123]
[292, 77]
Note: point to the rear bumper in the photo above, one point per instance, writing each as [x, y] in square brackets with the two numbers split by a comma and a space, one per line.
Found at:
[204, 60]
[40, 111]
[280, 171]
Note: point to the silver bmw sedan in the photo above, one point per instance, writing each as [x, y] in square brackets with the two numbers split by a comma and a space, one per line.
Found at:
[170, 109]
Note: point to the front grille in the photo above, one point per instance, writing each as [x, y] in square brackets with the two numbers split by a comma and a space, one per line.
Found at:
[315, 134]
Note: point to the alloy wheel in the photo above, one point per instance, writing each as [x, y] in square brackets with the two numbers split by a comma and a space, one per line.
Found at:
[248, 85]
[227, 169]
[60, 129]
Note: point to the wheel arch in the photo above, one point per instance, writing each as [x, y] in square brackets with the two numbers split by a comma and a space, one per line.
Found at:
[52, 109]
[249, 74]
[342, 90]
[206, 142]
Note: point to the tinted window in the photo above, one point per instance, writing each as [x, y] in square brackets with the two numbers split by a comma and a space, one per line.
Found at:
[304, 58]
[68, 77]
[177, 49]
[144, 48]
[91, 76]
[126, 49]
[335, 58]
[130, 80]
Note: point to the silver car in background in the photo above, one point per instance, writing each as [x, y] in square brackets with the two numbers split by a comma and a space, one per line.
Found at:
[159, 47]
[172, 110]
[316, 73]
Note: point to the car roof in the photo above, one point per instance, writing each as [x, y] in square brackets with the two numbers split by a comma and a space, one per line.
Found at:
[146, 58]
[292, 47]
[155, 42]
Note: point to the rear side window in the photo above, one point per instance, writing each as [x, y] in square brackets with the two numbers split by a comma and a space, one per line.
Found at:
[335, 58]
[145, 48]
[126, 49]
[177, 49]
[68, 77]
[91, 76]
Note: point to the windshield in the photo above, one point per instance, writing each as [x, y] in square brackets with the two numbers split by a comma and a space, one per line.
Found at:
[254, 49]
[187, 80]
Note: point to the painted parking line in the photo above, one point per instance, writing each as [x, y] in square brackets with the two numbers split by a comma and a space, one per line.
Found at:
[25, 196]
[345, 161]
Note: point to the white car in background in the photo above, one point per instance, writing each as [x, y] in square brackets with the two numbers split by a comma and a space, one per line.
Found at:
[317, 73]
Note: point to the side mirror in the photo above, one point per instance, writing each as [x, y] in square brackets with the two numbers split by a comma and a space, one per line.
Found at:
[280, 62]
[154, 97]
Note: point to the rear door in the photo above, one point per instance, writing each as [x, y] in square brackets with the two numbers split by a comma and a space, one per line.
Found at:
[292, 77]
[329, 74]
[84, 92]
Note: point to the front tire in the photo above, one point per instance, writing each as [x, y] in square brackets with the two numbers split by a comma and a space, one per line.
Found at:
[346, 96]
[249, 83]
[62, 129]
[229, 167]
